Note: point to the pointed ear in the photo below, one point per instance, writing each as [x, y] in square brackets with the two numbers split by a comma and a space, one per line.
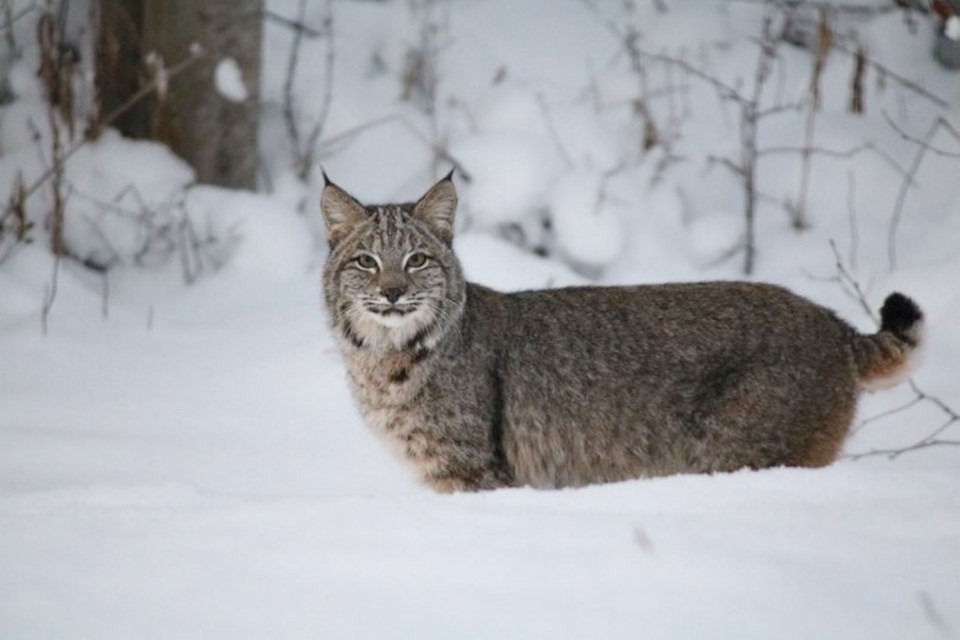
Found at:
[341, 212]
[437, 208]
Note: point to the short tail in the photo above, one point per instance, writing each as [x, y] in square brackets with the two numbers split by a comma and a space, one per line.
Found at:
[886, 357]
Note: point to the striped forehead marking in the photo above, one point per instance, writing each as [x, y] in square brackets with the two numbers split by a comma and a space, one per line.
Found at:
[390, 223]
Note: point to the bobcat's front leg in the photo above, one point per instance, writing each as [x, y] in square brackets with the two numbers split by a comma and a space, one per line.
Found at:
[458, 451]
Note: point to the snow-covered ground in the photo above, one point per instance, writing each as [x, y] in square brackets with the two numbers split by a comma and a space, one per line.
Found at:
[185, 461]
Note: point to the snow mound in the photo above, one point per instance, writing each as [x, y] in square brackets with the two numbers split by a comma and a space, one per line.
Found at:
[276, 241]
[589, 228]
[509, 177]
[489, 261]
[121, 200]
[713, 235]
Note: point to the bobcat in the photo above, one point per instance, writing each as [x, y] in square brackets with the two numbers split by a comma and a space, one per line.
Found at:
[566, 387]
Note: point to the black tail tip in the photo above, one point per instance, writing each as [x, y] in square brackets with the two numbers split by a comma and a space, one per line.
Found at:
[900, 315]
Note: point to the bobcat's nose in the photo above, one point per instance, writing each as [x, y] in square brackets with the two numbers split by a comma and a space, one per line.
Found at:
[392, 294]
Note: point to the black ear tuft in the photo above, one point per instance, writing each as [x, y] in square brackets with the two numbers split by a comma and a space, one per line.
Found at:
[449, 176]
[326, 178]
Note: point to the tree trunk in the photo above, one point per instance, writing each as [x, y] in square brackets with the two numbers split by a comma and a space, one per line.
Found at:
[216, 135]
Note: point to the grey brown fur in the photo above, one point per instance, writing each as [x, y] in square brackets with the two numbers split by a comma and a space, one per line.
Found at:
[479, 389]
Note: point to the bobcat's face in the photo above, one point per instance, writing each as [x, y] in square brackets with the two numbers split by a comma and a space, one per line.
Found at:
[391, 274]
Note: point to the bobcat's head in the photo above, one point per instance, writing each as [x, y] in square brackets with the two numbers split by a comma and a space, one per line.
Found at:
[391, 279]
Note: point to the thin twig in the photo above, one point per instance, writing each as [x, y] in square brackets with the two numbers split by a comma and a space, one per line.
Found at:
[853, 8]
[852, 218]
[347, 135]
[12, 18]
[50, 294]
[724, 89]
[295, 25]
[906, 136]
[289, 117]
[906, 83]
[305, 149]
[851, 284]
[940, 404]
[822, 48]
[440, 151]
[554, 135]
[893, 454]
[922, 148]
[863, 147]
[889, 412]
[329, 58]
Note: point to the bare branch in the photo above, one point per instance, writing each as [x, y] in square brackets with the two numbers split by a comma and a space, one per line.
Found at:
[852, 8]
[558, 143]
[940, 404]
[732, 166]
[938, 151]
[143, 92]
[889, 412]
[326, 100]
[852, 217]
[844, 154]
[304, 150]
[294, 25]
[723, 88]
[904, 82]
[850, 284]
[439, 150]
[49, 295]
[893, 454]
[934, 617]
[923, 146]
[347, 135]
[822, 48]
[11, 18]
[778, 109]
[289, 117]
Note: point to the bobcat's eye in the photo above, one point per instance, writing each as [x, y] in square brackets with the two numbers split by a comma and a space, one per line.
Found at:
[366, 261]
[416, 260]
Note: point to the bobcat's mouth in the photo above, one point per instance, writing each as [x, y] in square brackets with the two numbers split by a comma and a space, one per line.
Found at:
[394, 311]
[393, 316]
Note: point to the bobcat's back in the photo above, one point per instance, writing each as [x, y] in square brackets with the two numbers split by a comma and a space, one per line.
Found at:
[620, 382]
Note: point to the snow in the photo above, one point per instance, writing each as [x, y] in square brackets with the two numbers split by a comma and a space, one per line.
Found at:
[116, 184]
[503, 193]
[184, 460]
[589, 229]
[952, 28]
[229, 80]
[238, 495]
[267, 238]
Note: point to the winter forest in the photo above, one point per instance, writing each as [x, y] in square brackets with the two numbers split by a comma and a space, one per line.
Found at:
[180, 456]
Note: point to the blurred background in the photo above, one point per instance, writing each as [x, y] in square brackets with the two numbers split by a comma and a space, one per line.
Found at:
[620, 141]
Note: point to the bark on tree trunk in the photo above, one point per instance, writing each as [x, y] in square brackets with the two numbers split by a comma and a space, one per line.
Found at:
[216, 135]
